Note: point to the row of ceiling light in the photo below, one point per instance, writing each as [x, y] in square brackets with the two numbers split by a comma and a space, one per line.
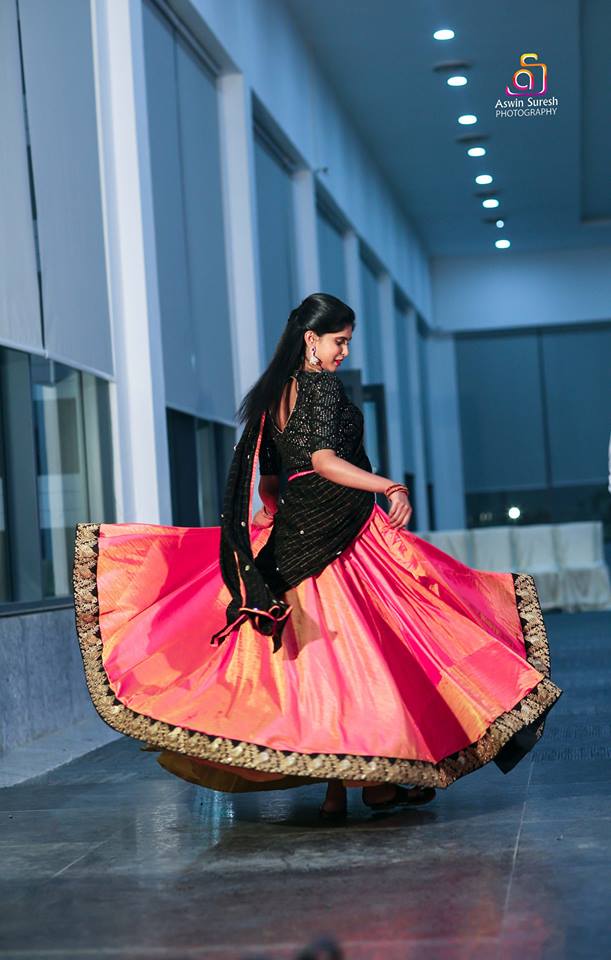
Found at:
[457, 80]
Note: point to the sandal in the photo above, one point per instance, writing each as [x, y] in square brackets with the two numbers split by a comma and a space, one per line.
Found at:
[406, 796]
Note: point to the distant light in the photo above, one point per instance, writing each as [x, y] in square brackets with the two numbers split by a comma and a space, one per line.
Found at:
[502, 244]
[483, 178]
[500, 223]
[513, 513]
[491, 202]
[467, 118]
[456, 81]
[443, 35]
[476, 151]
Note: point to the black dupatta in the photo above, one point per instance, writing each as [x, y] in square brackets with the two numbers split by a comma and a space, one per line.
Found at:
[316, 520]
[267, 613]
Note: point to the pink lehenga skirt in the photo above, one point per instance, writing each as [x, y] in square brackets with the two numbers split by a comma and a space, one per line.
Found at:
[398, 662]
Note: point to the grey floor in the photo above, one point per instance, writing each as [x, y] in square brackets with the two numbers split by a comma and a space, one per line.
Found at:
[110, 856]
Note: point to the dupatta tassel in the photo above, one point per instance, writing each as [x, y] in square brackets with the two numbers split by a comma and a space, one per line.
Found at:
[239, 569]
[222, 634]
[268, 622]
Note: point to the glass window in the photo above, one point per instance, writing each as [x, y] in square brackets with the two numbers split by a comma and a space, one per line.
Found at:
[374, 412]
[515, 428]
[71, 425]
[55, 471]
[544, 505]
[4, 569]
[60, 467]
[200, 454]
[98, 448]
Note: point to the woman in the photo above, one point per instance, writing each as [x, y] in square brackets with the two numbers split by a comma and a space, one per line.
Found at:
[319, 641]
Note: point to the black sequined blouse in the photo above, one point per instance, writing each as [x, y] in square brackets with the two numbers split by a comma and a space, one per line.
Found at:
[322, 418]
[316, 518]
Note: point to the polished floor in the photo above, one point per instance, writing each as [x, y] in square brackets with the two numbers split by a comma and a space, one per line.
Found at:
[110, 856]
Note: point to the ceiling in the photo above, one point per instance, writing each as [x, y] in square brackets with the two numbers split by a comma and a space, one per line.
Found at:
[552, 173]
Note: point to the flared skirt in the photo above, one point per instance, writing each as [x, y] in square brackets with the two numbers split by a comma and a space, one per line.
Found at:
[398, 662]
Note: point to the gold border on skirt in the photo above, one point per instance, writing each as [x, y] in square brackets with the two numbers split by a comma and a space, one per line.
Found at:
[323, 765]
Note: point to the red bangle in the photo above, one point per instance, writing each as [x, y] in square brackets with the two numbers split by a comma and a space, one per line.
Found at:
[393, 487]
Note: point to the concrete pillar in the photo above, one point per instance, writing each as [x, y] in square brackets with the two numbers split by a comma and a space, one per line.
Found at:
[446, 446]
[143, 492]
[416, 414]
[240, 213]
[308, 272]
[396, 455]
[355, 300]
[242, 238]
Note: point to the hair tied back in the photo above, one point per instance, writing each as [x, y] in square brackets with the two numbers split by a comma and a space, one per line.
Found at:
[294, 315]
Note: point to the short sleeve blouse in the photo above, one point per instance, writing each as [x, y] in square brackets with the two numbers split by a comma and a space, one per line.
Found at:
[326, 396]
[323, 418]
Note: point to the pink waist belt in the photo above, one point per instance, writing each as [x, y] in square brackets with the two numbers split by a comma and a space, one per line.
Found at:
[301, 473]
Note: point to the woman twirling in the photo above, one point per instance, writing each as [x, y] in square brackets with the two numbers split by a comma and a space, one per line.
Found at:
[319, 640]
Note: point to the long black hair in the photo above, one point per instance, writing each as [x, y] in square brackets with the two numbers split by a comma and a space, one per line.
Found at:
[320, 312]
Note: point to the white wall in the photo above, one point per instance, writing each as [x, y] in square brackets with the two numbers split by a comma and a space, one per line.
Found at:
[521, 290]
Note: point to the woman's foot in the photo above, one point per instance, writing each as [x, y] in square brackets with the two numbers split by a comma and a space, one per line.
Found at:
[386, 795]
[335, 804]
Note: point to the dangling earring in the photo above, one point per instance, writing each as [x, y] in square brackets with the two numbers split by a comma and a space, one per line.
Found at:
[313, 360]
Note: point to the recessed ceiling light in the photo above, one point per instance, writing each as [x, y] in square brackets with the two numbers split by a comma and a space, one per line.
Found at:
[500, 223]
[443, 35]
[467, 118]
[456, 81]
[476, 151]
[502, 244]
[490, 202]
[483, 178]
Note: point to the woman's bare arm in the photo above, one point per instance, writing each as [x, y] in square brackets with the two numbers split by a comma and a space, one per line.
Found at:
[327, 463]
[331, 467]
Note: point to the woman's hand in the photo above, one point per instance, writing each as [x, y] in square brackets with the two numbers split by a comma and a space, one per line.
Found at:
[401, 510]
[328, 465]
[261, 519]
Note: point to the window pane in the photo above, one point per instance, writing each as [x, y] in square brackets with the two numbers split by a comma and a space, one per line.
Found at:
[545, 505]
[56, 470]
[19, 472]
[183, 468]
[209, 500]
[98, 449]
[61, 468]
[4, 571]
[200, 455]
[371, 432]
